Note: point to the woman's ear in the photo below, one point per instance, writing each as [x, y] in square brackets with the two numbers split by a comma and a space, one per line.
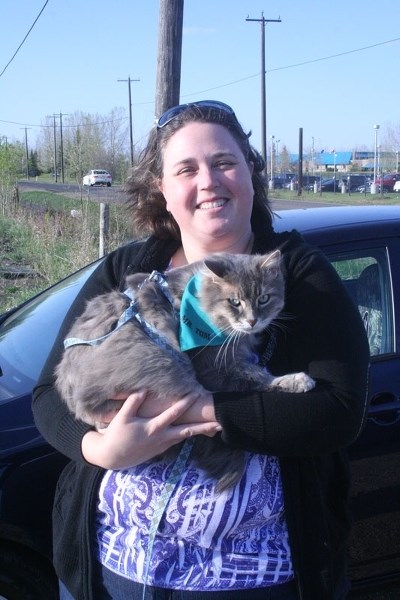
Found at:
[251, 167]
[160, 184]
[161, 188]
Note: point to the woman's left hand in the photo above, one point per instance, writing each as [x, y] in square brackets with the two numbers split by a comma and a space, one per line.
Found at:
[131, 439]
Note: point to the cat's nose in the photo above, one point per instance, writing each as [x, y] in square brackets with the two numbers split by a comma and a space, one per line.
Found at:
[252, 322]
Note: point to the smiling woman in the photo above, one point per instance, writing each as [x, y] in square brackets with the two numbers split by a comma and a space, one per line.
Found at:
[198, 189]
[143, 187]
[207, 185]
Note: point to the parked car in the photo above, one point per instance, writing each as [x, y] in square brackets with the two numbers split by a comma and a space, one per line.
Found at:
[363, 245]
[328, 185]
[387, 181]
[287, 177]
[282, 180]
[307, 182]
[396, 187]
[354, 181]
[364, 189]
[97, 177]
[279, 182]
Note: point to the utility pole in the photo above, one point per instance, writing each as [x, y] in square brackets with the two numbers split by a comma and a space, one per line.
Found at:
[300, 165]
[61, 148]
[60, 116]
[26, 151]
[169, 54]
[129, 80]
[313, 155]
[271, 175]
[55, 146]
[263, 21]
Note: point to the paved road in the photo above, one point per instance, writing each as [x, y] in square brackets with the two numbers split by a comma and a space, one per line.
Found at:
[95, 193]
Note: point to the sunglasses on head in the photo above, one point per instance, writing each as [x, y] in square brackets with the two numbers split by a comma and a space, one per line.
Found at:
[173, 112]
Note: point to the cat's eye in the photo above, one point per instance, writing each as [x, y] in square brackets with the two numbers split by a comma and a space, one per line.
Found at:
[234, 302]
[263, 299]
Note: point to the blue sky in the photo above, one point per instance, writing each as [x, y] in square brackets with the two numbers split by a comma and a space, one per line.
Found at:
[332, 67]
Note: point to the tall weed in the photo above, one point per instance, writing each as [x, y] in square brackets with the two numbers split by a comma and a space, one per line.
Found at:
[39, 245]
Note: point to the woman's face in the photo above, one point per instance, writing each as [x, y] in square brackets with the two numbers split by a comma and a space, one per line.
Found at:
[207, 185]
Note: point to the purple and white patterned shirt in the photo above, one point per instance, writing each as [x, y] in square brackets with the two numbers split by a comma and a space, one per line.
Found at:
[205, 540]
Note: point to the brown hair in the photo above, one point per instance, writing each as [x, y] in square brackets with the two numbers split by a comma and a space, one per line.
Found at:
[148, 204]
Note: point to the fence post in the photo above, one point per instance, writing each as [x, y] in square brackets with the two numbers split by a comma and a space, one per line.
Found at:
[15, 197]
[104, 228]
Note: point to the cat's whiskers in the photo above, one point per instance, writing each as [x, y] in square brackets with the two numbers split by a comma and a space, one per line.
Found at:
[210, 341]
[222, 355]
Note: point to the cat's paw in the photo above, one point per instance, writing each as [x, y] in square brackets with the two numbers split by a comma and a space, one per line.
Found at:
[295, 382]
[303, 382]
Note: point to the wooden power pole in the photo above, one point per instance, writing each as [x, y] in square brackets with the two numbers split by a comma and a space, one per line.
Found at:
[263, 22]
[169, 54]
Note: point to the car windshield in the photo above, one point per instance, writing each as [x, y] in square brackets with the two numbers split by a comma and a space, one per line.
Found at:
[27, 335]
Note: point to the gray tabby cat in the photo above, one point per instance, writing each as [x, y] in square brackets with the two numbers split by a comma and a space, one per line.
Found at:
[240, 294]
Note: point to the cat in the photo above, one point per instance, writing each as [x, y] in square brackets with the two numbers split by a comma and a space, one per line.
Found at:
[238, 296]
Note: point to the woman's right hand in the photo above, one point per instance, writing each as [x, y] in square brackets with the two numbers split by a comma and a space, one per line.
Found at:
[130, 439]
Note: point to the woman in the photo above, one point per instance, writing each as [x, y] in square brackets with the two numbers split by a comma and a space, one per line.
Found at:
[281, 531]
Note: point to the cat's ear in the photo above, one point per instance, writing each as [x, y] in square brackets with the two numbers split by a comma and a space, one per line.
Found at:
[216, 265]
[272, 262]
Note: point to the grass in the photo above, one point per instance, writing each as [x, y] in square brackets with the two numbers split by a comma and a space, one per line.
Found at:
[338, 198]
[41, 242]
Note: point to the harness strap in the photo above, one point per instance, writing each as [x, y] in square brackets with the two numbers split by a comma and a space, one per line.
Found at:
[131, 313]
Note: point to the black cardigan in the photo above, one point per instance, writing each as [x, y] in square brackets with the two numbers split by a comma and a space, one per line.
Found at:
[321, 334]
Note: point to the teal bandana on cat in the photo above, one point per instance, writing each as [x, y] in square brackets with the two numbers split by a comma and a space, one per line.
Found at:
[196, 329]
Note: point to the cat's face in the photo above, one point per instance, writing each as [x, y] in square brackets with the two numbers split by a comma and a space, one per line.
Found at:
[243, 295]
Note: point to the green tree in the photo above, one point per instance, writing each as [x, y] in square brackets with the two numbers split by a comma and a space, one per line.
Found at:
[89, 142]
[11, 159]
[33, 167]
[284, 160]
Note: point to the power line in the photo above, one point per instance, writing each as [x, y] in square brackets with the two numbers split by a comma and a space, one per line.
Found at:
[216, 87]
[307, 62]
[75, 125]
[67, 126]
[23, 41]
[294, 65]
